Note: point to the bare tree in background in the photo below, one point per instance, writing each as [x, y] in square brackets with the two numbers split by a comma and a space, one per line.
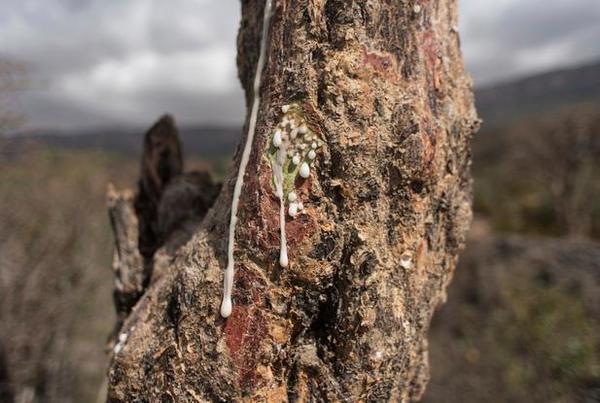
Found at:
[562, 153]
[382, 89]
[539, 175]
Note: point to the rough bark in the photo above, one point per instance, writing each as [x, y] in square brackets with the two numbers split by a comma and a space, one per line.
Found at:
[382, 85]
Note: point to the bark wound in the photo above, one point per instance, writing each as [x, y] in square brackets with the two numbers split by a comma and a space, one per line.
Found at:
[383, 64]
[382, 84]
[247, 329]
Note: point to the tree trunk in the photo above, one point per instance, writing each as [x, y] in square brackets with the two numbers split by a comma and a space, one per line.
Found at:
[378, 91]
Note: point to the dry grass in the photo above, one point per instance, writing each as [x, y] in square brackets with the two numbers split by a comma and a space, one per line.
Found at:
[521, 323]
[55, 279]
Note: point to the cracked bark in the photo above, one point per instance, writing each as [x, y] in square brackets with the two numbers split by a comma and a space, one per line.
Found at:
[387, 208]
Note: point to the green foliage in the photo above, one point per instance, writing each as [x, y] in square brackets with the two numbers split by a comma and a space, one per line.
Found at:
[545, 342]
[514, 204]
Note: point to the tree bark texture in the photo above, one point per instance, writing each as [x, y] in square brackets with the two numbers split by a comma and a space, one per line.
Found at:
[387, 206]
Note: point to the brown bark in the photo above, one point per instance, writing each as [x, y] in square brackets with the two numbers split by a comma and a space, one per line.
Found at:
[387, 205]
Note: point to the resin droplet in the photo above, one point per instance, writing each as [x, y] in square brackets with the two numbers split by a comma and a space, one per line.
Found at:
[226, 307]
[312, 155]
[304, 170]
[293, 210]
[283, 258]
[406, 261]
[277, 139]
[292, 197]
[296, 159]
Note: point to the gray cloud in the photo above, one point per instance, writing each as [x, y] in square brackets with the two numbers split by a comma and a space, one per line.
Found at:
[110, 61]
[96, 62]
[507, 38]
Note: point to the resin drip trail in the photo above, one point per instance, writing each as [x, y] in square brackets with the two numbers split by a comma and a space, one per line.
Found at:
[226, 305]
[278, 178]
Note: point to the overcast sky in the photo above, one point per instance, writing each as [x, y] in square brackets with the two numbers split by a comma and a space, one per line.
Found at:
[111, 62]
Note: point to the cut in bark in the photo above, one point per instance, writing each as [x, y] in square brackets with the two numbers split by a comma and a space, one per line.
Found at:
[383, 91]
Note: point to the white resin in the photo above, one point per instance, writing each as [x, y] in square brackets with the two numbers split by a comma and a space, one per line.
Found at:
[226, 305]
[277, 139]
[312, 155]
[278, 179]
[296, 159]
[121, 343]
[293, 210]
[292, 197]
[304, 170]
[406, 261]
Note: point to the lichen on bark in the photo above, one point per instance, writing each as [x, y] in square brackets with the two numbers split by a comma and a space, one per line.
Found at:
[383, 85]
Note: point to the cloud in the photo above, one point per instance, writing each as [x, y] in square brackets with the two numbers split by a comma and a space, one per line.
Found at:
[122, 61]
[507, 38]
[96, 62]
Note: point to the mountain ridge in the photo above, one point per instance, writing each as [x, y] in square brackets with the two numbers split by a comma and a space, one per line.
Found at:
[534, 95]
[200, 141]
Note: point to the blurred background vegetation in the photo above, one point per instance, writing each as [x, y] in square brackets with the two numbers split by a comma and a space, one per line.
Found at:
[522, 321]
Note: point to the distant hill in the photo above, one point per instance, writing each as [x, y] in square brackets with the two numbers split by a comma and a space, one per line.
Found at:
[200, 141]
[498, 105]
[536, 95]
